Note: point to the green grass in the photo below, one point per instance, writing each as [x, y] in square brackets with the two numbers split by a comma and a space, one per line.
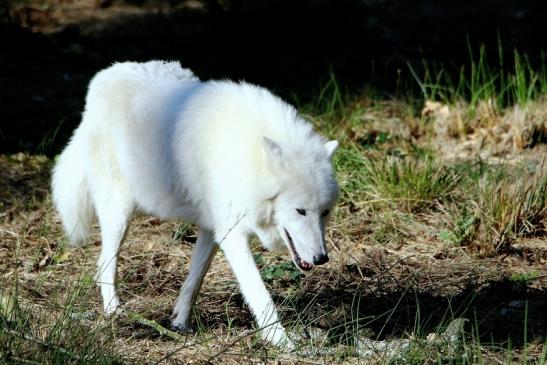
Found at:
[350, 164]
[32, 333]
[409, 184]
[482, 80]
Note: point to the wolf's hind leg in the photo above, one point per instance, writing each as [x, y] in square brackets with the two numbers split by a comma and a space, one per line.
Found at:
[114, 209]
[202, 255]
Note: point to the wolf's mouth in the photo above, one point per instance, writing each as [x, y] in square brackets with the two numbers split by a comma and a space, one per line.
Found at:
[303, 265]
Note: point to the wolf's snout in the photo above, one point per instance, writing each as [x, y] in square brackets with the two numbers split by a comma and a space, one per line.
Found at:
[320, 259]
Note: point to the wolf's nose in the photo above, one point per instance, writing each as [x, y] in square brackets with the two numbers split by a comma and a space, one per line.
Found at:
[320, 259]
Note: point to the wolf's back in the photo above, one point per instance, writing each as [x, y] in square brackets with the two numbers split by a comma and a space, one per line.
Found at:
[107, 103]
[112, 89]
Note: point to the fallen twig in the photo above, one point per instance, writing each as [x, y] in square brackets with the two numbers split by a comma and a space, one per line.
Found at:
[135, 317]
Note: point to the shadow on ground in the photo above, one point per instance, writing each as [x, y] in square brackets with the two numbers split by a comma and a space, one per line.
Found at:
[496, 311]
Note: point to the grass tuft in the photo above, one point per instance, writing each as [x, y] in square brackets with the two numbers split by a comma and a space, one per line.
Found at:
[34, 333]
[507, 208]
[411, 185]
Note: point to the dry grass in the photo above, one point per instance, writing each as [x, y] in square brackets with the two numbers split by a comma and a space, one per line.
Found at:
[417, 241]
[505, 209]
[486, 131]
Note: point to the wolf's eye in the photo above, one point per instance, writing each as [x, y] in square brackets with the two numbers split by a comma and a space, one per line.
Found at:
[301, 211]
[325, 213]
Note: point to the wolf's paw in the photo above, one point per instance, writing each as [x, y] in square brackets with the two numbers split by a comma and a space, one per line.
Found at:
[278, 337]
[287, 345]
[182, 328]
[111, 307]
[180, 321]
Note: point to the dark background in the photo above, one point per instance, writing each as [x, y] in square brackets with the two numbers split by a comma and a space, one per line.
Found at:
[288, 46]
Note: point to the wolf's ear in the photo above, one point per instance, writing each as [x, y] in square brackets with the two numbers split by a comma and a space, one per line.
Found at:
[273, 151]
[331, 147]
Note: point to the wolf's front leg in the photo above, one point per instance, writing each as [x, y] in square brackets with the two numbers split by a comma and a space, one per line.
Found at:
[237, 251]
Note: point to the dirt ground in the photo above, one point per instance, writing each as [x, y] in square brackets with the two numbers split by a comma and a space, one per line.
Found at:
[392, 289]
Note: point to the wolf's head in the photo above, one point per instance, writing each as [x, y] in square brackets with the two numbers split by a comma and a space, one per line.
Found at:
[305, 196]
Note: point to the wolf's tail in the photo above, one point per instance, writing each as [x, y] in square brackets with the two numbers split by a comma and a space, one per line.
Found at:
[71, 193]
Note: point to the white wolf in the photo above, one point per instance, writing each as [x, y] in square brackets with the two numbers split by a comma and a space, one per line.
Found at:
[230, 157]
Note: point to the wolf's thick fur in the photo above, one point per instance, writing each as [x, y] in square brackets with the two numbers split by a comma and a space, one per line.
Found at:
[229, 157]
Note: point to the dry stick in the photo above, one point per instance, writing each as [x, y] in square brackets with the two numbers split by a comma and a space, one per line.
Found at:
[11, 233]
[21, 360]
[135, 317]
